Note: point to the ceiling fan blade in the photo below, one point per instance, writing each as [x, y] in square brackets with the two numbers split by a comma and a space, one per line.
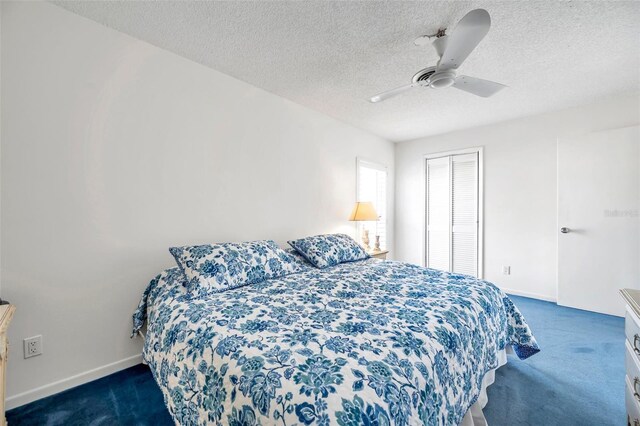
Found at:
[393, 92]
[478, 86]
[465, 37]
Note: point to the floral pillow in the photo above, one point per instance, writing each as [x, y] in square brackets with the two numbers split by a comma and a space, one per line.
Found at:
[329, 250]
[304, 263]
[214, 268]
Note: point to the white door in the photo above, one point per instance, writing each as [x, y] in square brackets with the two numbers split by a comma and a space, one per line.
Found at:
[452, 213]
[598, 219]
[438, 247]
[464, 214]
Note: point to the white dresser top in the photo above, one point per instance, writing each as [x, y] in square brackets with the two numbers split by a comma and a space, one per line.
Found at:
[632, 297]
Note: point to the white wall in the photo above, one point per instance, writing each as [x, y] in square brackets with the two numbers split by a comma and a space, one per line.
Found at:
[520, 190]
[112, 151]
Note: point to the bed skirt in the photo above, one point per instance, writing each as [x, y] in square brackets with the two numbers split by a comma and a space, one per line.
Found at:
[475, 416]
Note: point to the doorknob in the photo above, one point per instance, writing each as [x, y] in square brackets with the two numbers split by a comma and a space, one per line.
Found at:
[564, 230]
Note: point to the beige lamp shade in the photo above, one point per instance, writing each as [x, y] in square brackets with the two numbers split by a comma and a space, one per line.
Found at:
[363, 211]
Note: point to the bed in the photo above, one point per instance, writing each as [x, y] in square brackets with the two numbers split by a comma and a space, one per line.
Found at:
[366, 342]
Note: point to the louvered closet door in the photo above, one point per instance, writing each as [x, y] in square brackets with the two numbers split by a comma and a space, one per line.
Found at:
[464, 217]
[452, 213]
[438, 214]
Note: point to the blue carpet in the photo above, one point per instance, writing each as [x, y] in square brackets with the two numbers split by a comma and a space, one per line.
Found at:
[128, 397]
[577, 379]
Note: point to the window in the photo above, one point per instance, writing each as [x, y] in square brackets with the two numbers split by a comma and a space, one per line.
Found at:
[453, 240]
[372, 186]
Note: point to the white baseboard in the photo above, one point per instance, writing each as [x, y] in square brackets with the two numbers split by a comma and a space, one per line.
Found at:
[70, 382]
[528, 294]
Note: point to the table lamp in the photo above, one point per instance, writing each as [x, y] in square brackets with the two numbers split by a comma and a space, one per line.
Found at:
[364, 211]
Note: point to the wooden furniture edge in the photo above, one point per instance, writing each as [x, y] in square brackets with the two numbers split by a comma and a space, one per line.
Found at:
[6, 315]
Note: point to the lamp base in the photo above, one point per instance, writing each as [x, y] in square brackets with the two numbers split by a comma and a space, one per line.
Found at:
[365, 239]
[377, 248]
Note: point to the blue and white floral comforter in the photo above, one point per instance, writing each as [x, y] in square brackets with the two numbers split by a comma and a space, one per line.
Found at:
[361, 343]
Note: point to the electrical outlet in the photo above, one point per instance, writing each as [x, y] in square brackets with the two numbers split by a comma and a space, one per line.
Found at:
[32, 346]
[506, 270]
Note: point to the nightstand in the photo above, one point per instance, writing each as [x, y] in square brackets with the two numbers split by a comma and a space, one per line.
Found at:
[379, 254]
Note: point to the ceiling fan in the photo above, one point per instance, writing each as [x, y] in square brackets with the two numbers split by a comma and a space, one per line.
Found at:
[453, 49]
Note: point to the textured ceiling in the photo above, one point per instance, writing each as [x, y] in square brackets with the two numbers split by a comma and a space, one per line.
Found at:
[333, 56]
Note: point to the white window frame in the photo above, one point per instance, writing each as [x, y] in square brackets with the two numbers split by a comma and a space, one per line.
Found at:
[480, 151]
[379, 166]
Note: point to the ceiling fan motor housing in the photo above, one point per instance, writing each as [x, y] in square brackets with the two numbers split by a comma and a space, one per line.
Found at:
[434, 79]
[443, 79]
[424, 74]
